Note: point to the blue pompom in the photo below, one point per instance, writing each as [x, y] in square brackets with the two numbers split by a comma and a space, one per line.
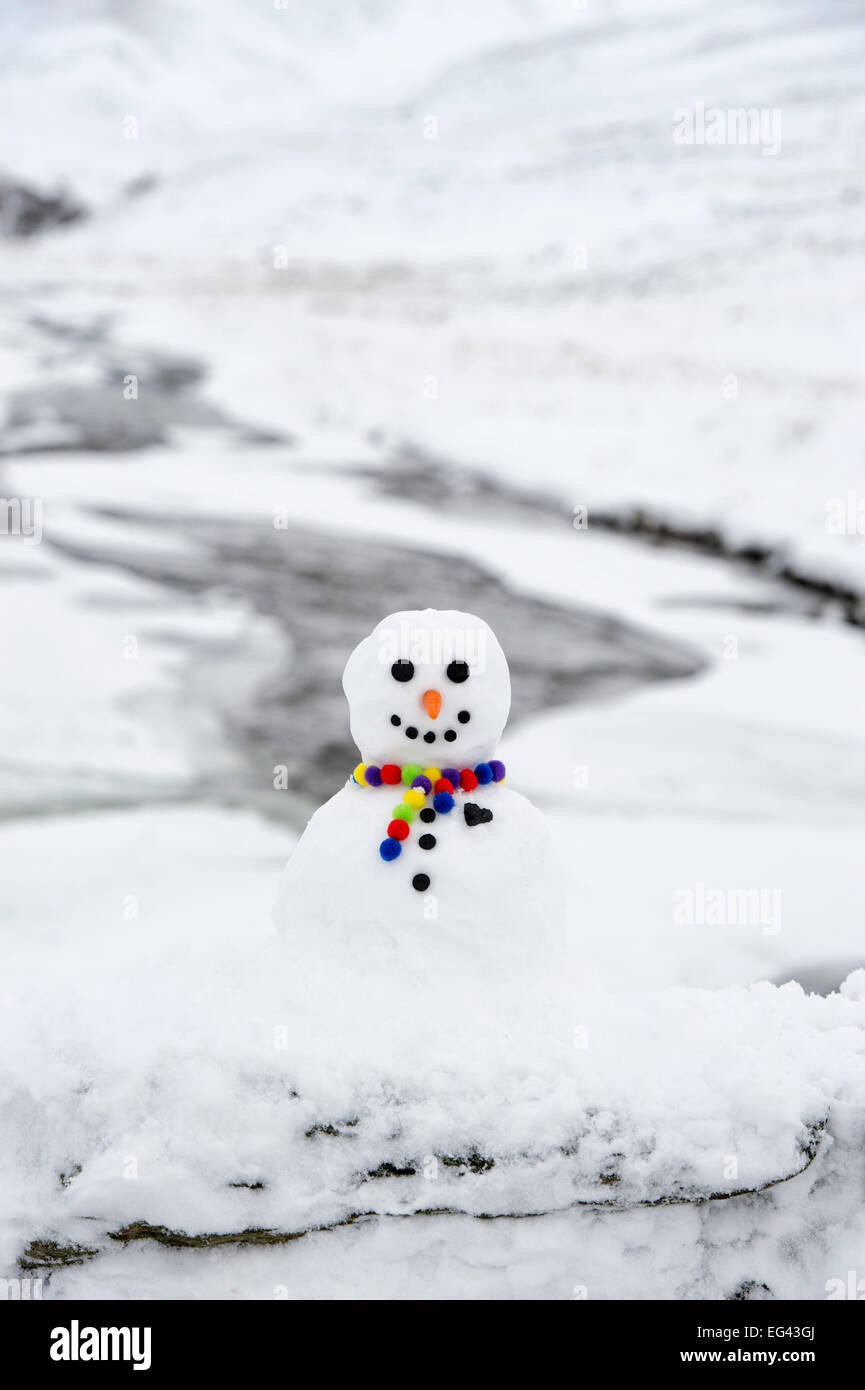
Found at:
[483, 772]
[443, 802]
[390, 849]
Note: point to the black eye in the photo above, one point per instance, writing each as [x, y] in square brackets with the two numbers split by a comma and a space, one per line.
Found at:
[403, 671]
[458, 672]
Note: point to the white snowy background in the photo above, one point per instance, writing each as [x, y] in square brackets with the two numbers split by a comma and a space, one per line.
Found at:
[422, 279]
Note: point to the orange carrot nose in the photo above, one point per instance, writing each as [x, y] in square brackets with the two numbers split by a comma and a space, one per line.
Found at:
[432, 703]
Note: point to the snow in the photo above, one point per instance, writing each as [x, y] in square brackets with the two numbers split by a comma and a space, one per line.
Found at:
[139, 1120]
[408, 258]
[154, 1030]
[102, 692]
[747, 776]
[344, 178]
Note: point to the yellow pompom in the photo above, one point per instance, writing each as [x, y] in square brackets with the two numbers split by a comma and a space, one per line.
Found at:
[433, 773]
[358, 774]
[414, 798]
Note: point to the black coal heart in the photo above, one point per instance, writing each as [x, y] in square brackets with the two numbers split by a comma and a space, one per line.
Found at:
[476, 815]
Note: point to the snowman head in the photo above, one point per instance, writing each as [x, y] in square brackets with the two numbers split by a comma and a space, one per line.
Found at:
[428, 687]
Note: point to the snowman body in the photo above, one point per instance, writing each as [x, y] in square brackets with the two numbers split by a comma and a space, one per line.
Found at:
[462, 895]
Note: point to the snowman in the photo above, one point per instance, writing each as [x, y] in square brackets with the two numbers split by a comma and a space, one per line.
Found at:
[426, 862]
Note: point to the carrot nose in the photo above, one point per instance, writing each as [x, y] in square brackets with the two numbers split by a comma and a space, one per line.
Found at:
[432, 703]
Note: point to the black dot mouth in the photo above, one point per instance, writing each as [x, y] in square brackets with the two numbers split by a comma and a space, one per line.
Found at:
[464, 716]
[395, 720]
[411, 731]
[450, 735]
[429, 737]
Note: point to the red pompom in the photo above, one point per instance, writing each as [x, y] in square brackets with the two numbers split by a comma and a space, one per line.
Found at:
[391, 774]
[398, 829]
[444, 784]
[468, 781]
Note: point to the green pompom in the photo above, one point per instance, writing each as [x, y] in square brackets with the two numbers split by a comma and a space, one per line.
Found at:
[410, 772]
[403, 812]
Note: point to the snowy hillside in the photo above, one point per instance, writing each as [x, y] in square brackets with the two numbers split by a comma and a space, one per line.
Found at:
[490, 196]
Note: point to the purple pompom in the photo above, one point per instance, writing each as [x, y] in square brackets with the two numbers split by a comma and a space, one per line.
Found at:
[373, 776]
[496, 768]
[452, 774]
[423, 784]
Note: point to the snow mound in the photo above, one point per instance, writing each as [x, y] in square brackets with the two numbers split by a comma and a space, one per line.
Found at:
[183, 1072]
